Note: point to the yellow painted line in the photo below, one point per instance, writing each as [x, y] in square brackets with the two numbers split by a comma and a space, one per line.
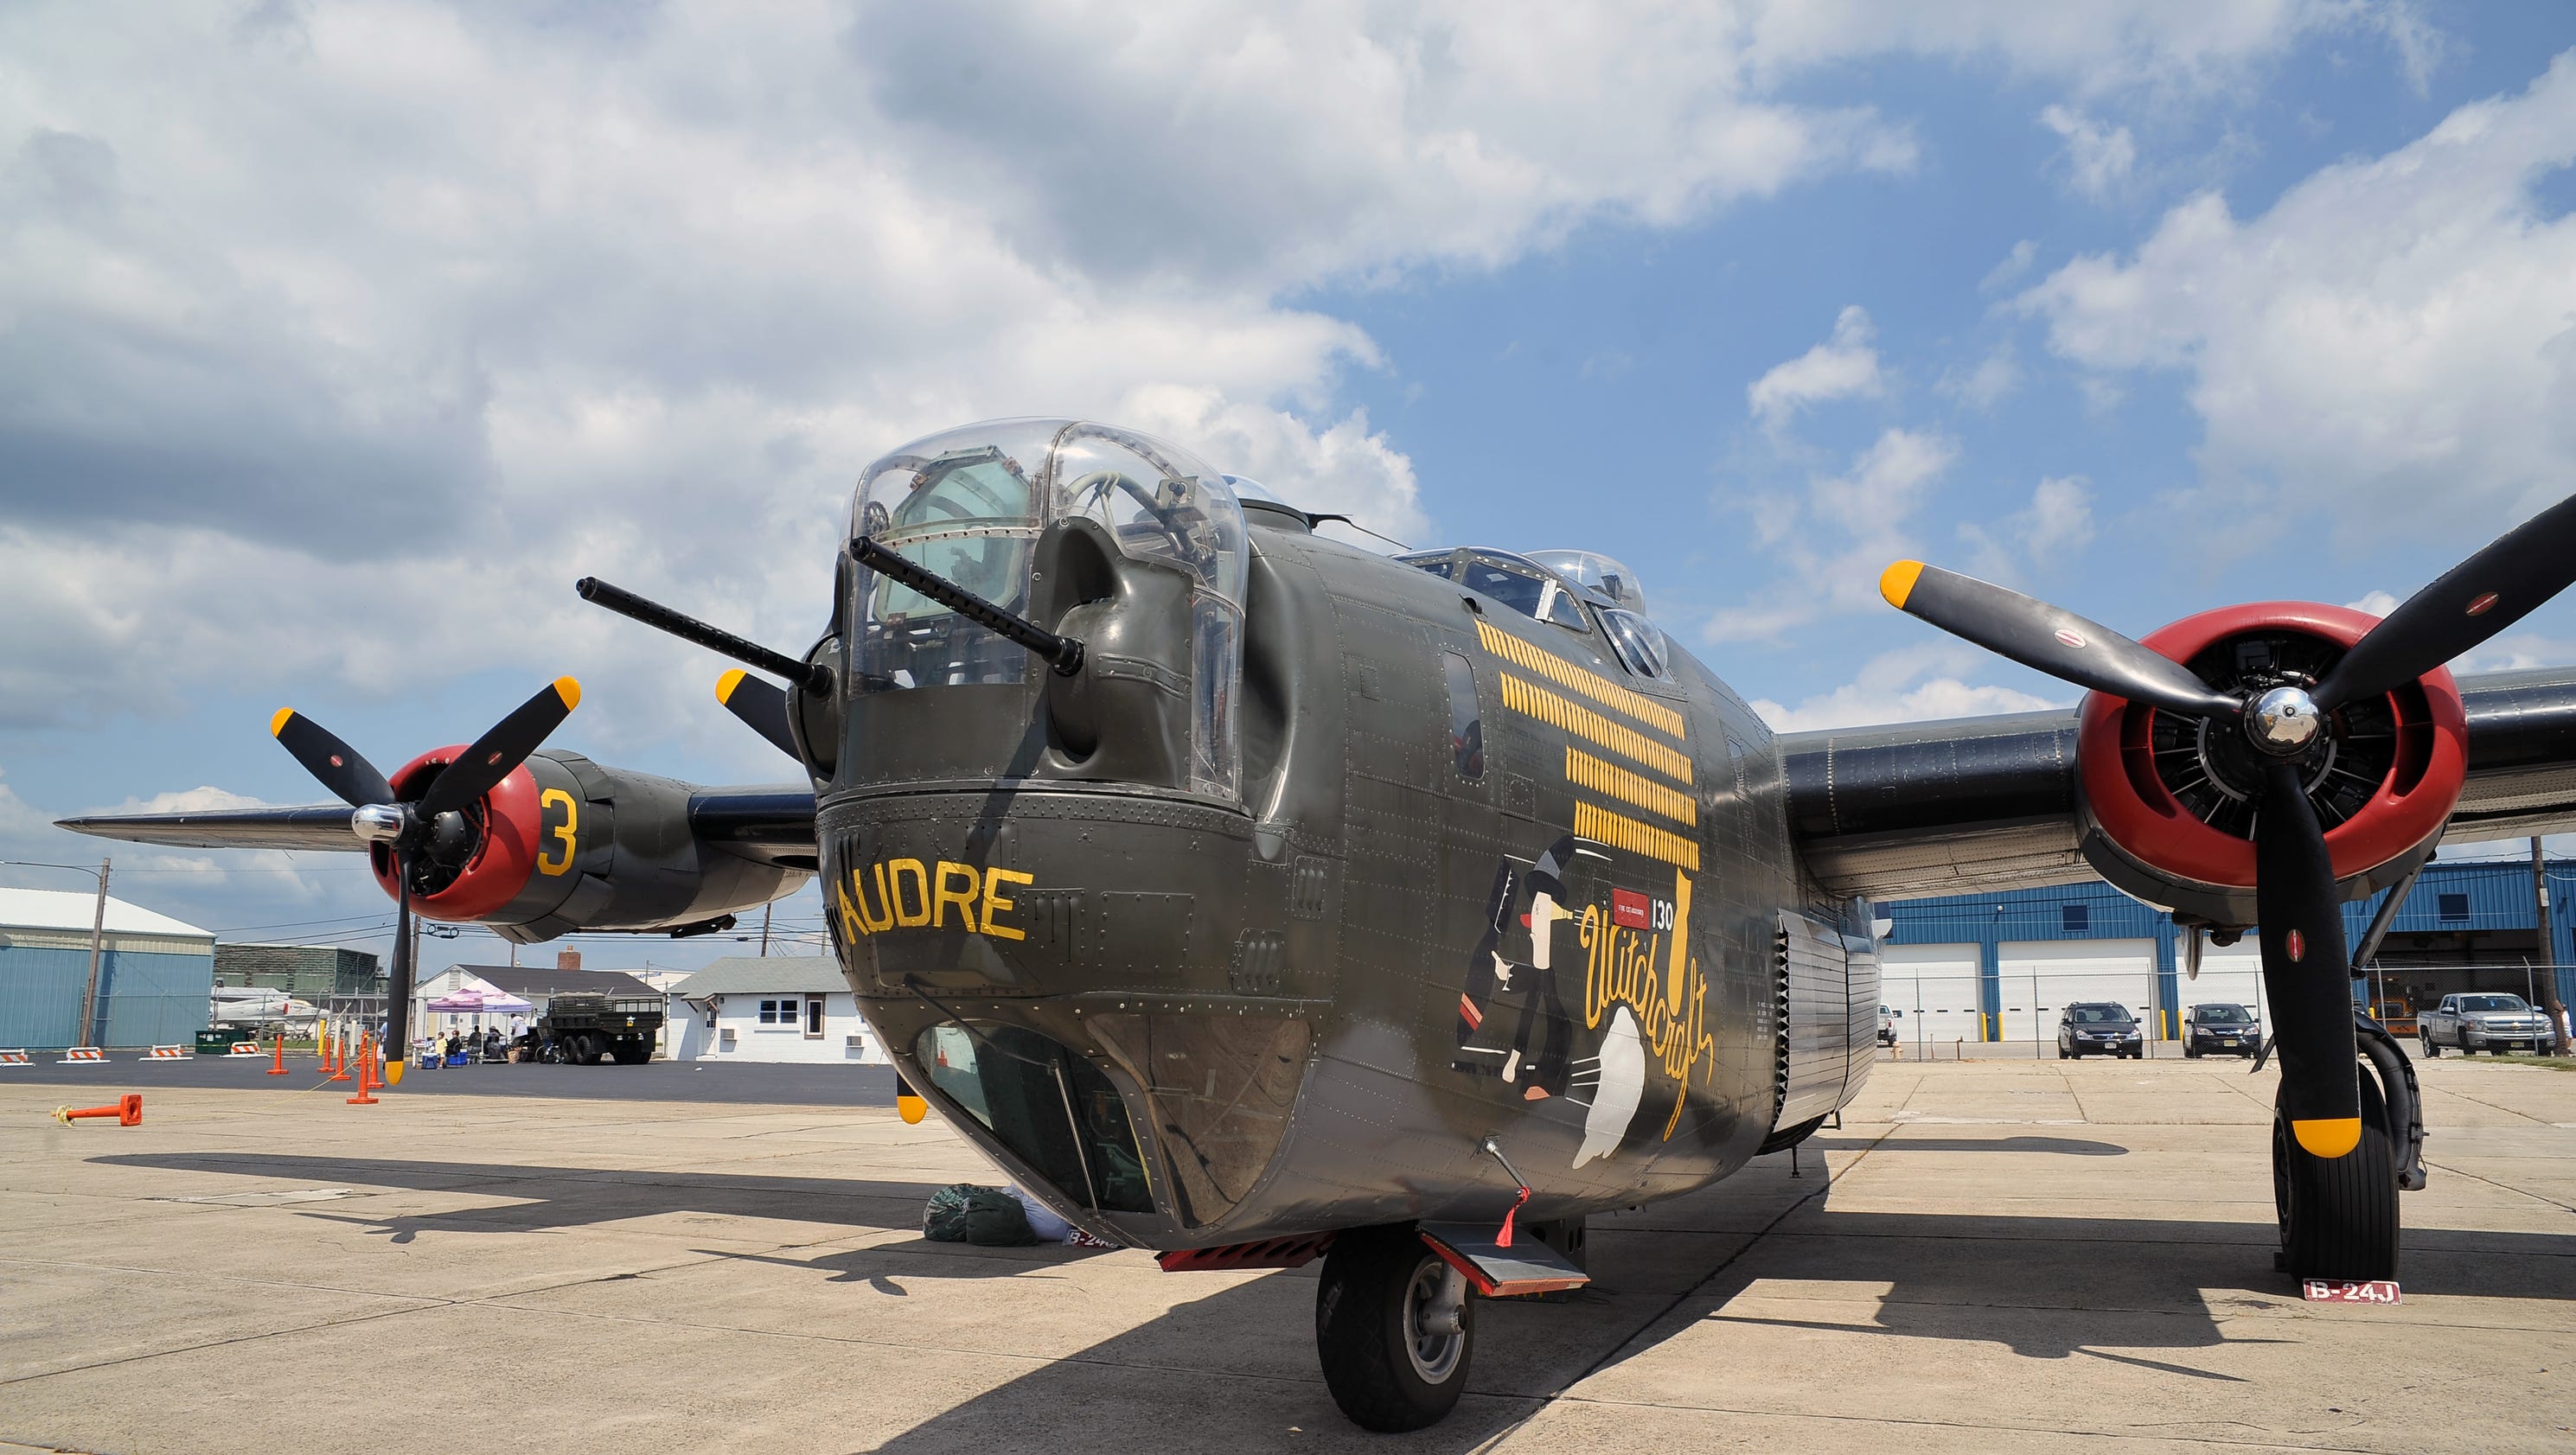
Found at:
[1622, 832]
[1586, 771]
[1591, 684]
[1532, 700]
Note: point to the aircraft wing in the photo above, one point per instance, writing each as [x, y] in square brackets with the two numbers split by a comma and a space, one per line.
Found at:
[1975, 804]
[770, 824]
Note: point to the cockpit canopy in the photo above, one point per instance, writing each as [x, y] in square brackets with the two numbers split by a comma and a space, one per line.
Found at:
[970, 504]
[1553, 587]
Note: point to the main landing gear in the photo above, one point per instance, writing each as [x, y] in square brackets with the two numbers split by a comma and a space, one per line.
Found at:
[1395, 1326]
[2338, 1215]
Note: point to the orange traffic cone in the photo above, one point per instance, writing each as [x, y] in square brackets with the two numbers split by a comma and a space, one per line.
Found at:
[128, 1111]
[339, 1061]
[366, 1071]
[278, 1067]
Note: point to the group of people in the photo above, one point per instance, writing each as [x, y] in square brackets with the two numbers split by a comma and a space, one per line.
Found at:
[460, 1048]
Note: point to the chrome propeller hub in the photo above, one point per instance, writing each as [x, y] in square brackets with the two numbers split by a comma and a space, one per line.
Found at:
[2283, 721]
[380, 823]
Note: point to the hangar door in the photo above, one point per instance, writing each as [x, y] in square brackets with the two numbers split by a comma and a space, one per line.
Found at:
[1936, 987]
[2042, 977]
[2234, 974]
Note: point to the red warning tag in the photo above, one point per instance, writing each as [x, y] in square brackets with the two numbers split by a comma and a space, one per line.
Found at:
[1628, 907]
[2344, 1290]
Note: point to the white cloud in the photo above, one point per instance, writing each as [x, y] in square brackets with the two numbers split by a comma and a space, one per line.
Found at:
[2394, 340]
[1911, 684]
[1836, 542]
[1987, 384]
[2098, 158]
[2377, 603]
[2013, 265]
[1842, 367]
[2042, 537]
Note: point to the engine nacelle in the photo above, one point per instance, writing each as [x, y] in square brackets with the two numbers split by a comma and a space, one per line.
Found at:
[563, 844]
[2168, 802]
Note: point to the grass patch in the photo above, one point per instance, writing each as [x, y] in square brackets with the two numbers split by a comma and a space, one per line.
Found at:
[2545, 1063]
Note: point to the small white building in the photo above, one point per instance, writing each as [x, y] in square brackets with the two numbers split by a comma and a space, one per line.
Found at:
[772, 1008]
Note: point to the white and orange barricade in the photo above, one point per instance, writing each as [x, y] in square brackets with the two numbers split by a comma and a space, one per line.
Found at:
[16, 1057]
[243, 1050]
[83, 1056]
[164, 1053]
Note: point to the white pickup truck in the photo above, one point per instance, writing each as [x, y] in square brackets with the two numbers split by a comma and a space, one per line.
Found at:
[2488, 1021]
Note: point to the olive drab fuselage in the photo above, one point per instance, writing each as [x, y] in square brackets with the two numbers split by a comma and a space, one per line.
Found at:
[1480, 881]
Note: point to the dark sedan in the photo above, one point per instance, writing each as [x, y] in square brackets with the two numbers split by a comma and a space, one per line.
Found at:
[2100, 1027]
[2222, 1030]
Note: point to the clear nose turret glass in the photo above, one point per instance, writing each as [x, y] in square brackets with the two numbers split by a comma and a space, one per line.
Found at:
[971, 503]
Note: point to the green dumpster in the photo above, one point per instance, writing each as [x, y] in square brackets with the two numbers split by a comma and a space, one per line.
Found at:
[218, 1043]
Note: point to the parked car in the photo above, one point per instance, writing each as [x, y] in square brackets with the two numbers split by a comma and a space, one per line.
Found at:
[1887, 1025]
[2098, 1027]
[2222, 1027]
[2489, 1021]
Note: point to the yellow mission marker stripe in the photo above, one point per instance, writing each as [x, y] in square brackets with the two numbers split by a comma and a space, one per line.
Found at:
[1622, 832]
[1897, 582]
[277, 724]
[1591, 684]
[1532, 700]
[727, 683]
[569, 691]
[1586, 771]
[2323, 1137]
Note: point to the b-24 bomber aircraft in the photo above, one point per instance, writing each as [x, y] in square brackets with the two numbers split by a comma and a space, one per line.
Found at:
[1253, 898]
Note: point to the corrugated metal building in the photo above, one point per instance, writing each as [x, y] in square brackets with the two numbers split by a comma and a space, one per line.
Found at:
[156, 974]
[308, 972]
[1999, 967]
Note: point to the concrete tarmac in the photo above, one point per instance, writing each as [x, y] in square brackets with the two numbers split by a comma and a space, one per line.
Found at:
[1988, 1256]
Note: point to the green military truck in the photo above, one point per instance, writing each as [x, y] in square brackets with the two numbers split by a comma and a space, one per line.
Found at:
[583, 1026]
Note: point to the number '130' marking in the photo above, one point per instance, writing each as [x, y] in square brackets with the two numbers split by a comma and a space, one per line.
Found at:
[566, 833]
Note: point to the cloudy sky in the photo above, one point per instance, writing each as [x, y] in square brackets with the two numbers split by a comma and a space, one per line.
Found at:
[337, 340]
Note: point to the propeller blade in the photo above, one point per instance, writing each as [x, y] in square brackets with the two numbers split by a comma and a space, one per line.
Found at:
[2054, 641]
[2191, 952]
[501, 749]
[397, 1047]
[2305, 972]
[762, 706]
[2516, 574]
[341, 768]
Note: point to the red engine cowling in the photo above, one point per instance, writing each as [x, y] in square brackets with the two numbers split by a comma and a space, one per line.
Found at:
[2167, 801]
[509, 824]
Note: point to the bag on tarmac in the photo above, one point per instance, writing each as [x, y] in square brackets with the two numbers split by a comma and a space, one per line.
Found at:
[986, 1216]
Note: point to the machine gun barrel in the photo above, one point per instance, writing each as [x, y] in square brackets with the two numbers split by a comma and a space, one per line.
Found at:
[1063, 653]
[812, 676]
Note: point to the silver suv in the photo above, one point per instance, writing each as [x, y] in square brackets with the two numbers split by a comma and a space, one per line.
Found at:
[2489, 1021]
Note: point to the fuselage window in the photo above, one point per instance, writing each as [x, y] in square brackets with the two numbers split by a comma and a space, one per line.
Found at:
[1466, 731]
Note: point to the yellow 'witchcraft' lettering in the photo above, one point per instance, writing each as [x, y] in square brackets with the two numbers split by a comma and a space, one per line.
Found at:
[1662, 983]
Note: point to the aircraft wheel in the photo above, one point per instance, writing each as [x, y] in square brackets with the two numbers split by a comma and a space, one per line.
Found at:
[2338, 1215]
[1394, 1328]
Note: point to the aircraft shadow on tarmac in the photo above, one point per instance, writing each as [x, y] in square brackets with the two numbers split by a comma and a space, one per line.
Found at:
[2127, 1290]
[2059, 1146]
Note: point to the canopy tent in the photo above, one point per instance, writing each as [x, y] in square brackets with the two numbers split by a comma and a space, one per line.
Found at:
[475, 1002]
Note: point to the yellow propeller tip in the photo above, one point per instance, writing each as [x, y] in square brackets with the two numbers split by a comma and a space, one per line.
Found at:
[912, 1109]
[1897, 582]
[569, 691]
[727, 683]
[277, 724]
[2328, 1137]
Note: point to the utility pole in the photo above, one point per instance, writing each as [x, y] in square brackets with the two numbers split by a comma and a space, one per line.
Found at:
[764, 925]
[97, 937]
[2550, 1004]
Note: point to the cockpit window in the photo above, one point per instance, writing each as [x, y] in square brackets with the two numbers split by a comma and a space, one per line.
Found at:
[1638, 642]
[1524, 588]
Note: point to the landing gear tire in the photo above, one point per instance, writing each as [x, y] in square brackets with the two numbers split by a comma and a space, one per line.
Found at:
[1395, 1328]
[2338, 1215]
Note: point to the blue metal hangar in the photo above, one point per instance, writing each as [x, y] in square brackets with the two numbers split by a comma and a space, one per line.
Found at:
[156, 975]
[2000, 967]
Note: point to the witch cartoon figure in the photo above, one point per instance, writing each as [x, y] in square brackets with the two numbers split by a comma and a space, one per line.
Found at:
[1512, 1022]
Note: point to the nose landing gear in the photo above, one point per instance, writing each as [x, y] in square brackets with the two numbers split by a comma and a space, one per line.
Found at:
[2338, 1215]
[1395, 1327]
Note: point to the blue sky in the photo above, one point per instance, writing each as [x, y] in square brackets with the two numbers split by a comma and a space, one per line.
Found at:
[336, 340]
